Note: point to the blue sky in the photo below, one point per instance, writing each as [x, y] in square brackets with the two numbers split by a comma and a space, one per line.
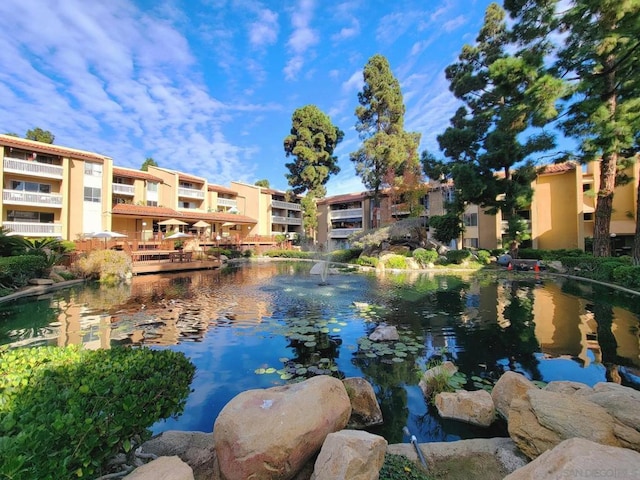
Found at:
[208, 87]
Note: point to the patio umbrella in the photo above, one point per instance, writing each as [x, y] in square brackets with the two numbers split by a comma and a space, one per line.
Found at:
[200, 224]
[172, 221]
[106, 234]
[176, 235]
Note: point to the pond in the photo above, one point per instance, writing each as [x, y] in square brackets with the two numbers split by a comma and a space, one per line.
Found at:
[266, 324]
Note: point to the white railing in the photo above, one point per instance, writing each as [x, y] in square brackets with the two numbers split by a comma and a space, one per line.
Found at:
[190, 192]
[343, 232]
[34, 168]
[227, 202]
[286, 220]
[123, 189]
[348, 213]
[33, 229]
[20, 197]
[285, 205]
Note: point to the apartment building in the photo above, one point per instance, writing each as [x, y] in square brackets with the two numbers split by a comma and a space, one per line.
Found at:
[53, 191]
[340, 216]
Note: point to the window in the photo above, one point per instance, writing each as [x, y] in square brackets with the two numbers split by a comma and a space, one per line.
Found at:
[92, 194]
[471, 242]
[94, 169]
[588, 217]
[152, 186]
[152, 203]
[471, 220]
[31, 187]
[29, 217]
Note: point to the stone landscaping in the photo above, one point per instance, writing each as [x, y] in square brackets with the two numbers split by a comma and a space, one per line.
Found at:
[306, 431]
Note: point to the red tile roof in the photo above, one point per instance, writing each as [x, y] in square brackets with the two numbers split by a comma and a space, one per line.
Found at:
[347, 197]
[557, 168]
[30, 145]
[139, 174]
[221, 189]
[163, 212]
[190, 178]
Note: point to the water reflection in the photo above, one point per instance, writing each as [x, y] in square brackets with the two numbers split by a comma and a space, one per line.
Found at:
[266, 324]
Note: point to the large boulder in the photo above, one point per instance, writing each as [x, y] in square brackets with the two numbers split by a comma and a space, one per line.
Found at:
[365, 410]
[271, 433]
[446, 368]
[619, 401]
[474, 407]
[509, 386]
[194, 448]
[543, 419]
[162, 468]
[384, 333]
[570, 388]
[351, 454]
[581, 458]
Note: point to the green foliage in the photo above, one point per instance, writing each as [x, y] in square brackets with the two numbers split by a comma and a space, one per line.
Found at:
[425, 257]
[40, 135]
[596, 268]
[67, 246]
[65, 412]
[458, 256]
[227, 252]
[290, 254]
[108, 266]
[248, 253]
[629, 276]
[148, 162]
[386, 146]
[312, 141]
[345, 255]
[262, 183]
[396, 261]
[483, 257]
[11, 244]
[365, 261]
[447, 227]
[16, 271]
[549, 255]
[408, 227]
[399, 467]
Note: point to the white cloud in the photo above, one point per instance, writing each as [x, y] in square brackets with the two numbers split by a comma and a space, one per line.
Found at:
[264, 31]
[301, 39]
[354, 83]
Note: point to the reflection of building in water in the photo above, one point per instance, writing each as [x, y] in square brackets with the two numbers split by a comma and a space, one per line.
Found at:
[627, 334]
[564, 326]
[76, 327]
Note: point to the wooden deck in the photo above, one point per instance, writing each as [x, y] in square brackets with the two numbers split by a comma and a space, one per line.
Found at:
[158, 261]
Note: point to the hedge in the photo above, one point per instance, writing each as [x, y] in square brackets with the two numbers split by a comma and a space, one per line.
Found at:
[627, 275]
[65, 412]
[15, 272]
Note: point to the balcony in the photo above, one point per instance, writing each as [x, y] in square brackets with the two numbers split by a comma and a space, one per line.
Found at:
[33, 229]
[285, 205]
[227, 202]
[343, 232]
[123, 189]
[348, 213]
[190, 193]
[286, 220]
[32, 168]
[34, 199]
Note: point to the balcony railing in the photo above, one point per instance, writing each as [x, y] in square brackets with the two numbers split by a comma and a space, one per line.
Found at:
[33, 168]
[286, 220]
[227, 202]
[348, 213]
[20, 197]
[343, 232]
[285, 205]
[123, 189]
[190, 193]
[32, 229]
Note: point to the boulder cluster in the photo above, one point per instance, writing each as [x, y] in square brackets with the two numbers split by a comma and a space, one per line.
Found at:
[314, 430]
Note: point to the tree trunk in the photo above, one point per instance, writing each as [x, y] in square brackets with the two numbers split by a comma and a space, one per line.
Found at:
[636, 239]
[604, 207]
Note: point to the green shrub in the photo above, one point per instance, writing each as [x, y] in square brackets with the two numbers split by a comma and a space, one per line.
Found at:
[290, 254]
[396, 261]
[483, 257]
[425, 257]
[65, 412]
[108, 266]
[399, 467]
[458, 256]
[248, 253]
[549, 255]
[596, 268]
[365, 261]
[16, 271]
[627, 275]
[67, 246]
[345, 255]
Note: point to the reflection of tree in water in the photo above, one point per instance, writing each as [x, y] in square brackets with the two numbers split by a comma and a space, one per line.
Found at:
[25, 319]
[515, 341]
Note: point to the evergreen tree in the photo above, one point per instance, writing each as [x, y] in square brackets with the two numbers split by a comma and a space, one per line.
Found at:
[262, 183]
[386, 146]
[149, 162]
[312, 140]
[39, 135]
[488, 143]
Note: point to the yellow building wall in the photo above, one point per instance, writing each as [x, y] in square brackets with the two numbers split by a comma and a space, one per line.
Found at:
[168, 190]
[74, 179]
[249, 203]
[556, 211]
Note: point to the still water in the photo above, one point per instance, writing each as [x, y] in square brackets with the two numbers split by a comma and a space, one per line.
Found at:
[267, 324]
